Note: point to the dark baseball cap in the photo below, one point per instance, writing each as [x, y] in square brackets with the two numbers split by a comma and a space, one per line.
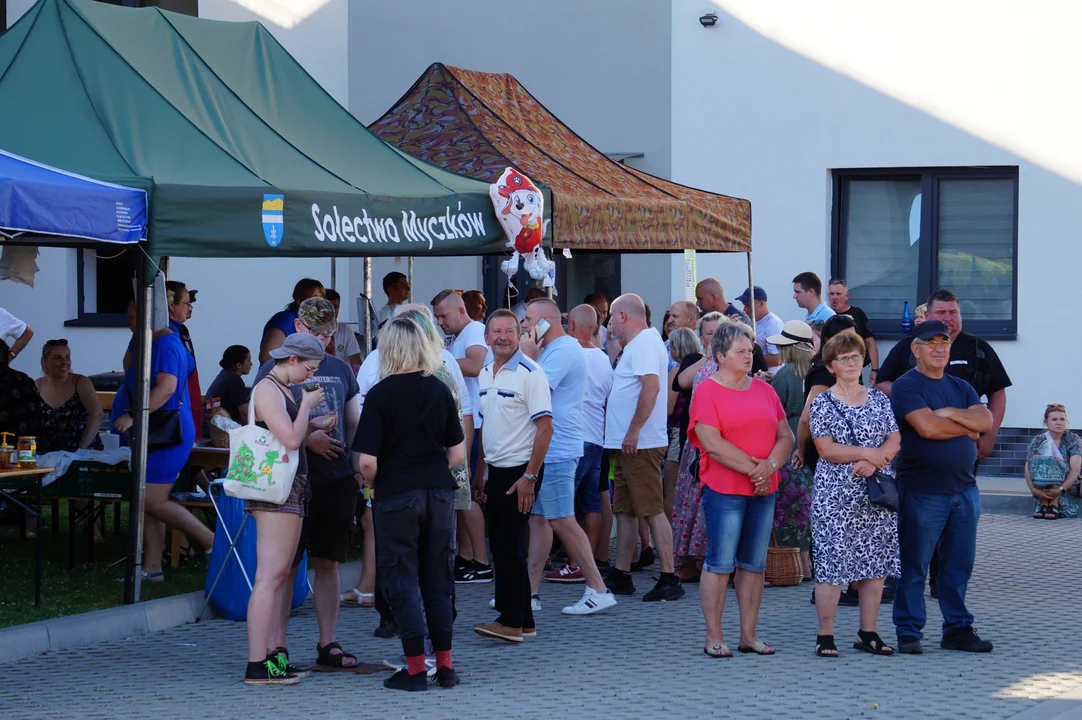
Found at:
[317, 314]
[930, 329]
[759, 293]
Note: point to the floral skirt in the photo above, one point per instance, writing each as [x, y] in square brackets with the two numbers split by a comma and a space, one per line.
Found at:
[792, 510]
[688, 522]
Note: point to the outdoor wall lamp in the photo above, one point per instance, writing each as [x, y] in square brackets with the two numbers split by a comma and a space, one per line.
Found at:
[708, 20]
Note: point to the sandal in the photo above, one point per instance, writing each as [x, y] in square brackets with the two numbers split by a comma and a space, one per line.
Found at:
[870, 642]
[1052, 513]
[758, 648]
[1040, 513]
[356, 598]
[718, 650]
[825, 647]
[333, 662]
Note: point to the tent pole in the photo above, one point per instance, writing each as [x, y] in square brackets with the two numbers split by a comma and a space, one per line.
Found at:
[410, 272]
[334, 273]
[367, 307]
[141, 416]
[751, 289]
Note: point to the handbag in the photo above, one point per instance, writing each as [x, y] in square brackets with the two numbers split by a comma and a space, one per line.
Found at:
[260, 467]
[163, 430]
[882, 488]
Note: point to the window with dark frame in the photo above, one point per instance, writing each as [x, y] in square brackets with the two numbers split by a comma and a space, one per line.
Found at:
[104, 280]
[900, 234]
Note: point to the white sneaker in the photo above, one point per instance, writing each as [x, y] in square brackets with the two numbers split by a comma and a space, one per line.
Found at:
[535, 603]
[591, 602]
[399, 663]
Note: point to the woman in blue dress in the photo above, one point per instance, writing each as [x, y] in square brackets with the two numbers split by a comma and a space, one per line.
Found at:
[170, 366]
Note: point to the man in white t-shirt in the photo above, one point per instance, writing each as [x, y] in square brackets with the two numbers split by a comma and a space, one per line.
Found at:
[343, 345]
[397, 287]
[591, 503]
[471, 352]
[636, 428]
[14, 332]
[767, 324]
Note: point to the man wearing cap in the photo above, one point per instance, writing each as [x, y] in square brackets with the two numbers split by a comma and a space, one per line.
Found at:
[838, 299]
[766, 323]
[940, 417]
[710, 296]
[333, 485]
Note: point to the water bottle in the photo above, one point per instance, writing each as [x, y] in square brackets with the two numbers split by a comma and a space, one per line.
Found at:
[907, 320]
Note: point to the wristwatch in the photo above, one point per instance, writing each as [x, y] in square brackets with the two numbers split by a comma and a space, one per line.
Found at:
[772, 463]
[531, 477]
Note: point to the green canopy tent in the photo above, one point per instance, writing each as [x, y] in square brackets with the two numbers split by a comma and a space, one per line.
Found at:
[242, 153]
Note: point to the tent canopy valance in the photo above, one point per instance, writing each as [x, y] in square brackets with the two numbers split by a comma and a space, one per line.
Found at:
[477, 123]
[242, 152]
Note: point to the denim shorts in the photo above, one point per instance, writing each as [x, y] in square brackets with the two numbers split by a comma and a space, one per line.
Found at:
[588, 480]
[556, 498]
[737, 531]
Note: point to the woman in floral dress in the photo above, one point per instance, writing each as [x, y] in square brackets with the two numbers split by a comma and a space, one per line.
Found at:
[1052, 466]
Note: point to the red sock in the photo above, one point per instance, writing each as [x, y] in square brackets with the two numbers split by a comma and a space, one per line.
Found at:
[415, 664]
[443, 659]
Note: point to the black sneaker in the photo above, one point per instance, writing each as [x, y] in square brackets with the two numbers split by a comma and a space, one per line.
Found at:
[965, 640]
[849, 598]
[387, 629]
[602, 567]
[268, 673]
[620, 582]
[646, 558]
[908, 645]
[461, 564]
[664, 591]
[475, 573]
[402, 680]
[447, 677]
[281, 656]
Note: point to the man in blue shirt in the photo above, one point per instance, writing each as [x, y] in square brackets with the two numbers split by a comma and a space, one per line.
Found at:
[565, 367]
[808, 293]
[940, 418]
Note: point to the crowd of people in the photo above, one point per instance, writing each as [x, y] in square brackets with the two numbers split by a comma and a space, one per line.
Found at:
[539, 429]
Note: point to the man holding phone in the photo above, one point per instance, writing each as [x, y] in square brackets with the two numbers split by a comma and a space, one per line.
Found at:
[561, 358]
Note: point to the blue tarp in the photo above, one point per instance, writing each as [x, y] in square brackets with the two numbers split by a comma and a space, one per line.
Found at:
[40, 200]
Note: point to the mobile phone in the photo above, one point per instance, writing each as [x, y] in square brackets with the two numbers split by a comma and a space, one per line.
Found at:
[541, 328]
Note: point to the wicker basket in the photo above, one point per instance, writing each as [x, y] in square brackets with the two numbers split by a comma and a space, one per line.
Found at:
[783, 565]
[218, 438]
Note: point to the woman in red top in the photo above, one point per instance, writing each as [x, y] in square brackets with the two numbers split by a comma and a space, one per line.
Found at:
[739, 426]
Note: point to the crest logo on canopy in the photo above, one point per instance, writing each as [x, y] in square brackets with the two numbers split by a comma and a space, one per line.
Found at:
[273, 223]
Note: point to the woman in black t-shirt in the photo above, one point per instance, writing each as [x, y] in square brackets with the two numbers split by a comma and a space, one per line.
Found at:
[228, 390]
[408, 439]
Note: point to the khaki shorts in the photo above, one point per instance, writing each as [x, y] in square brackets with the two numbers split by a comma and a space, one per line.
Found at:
[636, 483]
[463, 495]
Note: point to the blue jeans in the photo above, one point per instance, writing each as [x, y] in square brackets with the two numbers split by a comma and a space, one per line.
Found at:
[923, 521]
[588, 480]
[737, 531]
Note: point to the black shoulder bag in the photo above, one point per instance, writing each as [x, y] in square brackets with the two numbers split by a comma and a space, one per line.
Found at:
[882, 488]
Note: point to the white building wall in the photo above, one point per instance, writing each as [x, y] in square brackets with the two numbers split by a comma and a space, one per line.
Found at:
[768, 102]
[600, 66]
[236, 297]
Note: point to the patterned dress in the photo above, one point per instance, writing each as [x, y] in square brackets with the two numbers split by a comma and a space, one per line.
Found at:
[1047, 470]
[792, 506]
[854, 540]
[62, 427]
[688, 521]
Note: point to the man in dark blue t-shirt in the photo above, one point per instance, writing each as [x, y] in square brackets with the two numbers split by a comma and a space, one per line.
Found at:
[940, 417]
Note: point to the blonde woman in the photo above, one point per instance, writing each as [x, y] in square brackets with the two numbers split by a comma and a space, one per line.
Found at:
[792, 510]
[409, 438]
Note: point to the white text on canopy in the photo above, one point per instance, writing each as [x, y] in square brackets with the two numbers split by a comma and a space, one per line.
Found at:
[414, 228]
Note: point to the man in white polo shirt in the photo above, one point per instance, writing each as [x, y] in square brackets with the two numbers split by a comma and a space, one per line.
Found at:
[515, 427]
[635, 427]
[472, 353]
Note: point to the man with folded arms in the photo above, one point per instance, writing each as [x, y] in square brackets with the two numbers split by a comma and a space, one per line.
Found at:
[940, 417]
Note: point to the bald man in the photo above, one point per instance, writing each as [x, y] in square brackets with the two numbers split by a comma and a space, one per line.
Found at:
[471, 351]
[711, 298]
[560, 357]
[635, 428]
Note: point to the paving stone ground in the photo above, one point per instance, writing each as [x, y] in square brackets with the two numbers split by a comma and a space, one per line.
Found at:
[636, 660]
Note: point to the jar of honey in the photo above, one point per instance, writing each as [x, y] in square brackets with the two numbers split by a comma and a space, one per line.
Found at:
[27, 452]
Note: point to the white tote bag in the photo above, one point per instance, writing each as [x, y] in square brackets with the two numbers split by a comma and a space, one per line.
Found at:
[260, 467]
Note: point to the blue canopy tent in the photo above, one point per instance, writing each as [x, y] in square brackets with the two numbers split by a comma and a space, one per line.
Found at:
[37, 200]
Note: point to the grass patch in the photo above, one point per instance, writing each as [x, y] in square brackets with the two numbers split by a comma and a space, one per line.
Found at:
[85, 587]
